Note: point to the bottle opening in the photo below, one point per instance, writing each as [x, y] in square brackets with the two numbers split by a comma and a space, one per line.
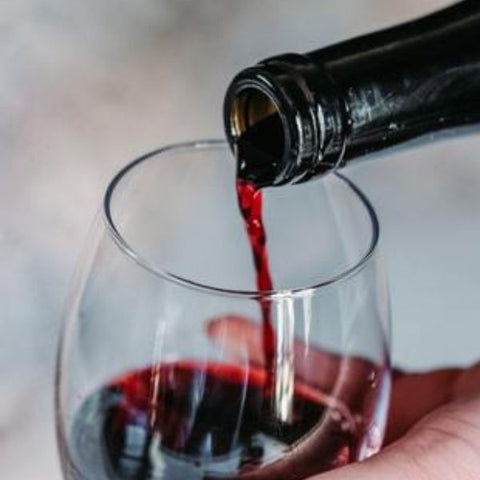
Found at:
[257, 124]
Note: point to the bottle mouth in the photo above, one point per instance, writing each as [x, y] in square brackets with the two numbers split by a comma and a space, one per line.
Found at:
[254, 110]
[303, 138]
[271, 104]
[258, 129]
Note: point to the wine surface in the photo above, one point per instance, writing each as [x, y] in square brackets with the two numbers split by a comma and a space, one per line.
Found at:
[188, 420]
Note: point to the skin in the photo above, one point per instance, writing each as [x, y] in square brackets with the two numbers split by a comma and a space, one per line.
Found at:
[433, 430]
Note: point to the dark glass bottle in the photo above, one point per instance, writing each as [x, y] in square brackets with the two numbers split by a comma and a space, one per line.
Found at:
[304, 115]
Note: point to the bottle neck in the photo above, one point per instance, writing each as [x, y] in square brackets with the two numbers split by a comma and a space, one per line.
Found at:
[295, 94]
[364, 95]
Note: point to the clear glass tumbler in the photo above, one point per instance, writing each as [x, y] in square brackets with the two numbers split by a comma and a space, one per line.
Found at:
[160, 369]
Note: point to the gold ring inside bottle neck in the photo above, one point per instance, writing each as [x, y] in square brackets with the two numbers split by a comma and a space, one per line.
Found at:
[249, 108]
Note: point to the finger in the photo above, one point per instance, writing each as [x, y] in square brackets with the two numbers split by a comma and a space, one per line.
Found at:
[243, 338]
[352, 380]
[444, 445]
[239, 336]
[346, 377]
[415, 395]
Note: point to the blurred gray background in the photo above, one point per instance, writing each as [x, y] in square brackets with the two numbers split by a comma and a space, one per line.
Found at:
[85, 86]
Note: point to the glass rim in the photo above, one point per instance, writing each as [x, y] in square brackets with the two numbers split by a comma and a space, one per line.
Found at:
[217, 144]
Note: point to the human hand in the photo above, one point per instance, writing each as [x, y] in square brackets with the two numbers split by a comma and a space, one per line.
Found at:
[434, 423]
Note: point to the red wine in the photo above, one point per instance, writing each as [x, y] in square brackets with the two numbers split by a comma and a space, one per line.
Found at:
[191, 420]
[257, 145]
[250, 202]
[260, 147]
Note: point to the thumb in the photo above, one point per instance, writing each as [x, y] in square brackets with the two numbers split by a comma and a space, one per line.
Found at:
[445, 444]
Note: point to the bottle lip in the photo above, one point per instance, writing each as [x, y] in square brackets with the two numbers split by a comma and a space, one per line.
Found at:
[261, 80]
[290, 82]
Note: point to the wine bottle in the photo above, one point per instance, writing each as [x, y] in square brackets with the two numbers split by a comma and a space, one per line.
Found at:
[300, 116]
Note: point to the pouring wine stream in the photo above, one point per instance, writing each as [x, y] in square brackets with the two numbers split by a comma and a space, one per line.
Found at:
[277, 346]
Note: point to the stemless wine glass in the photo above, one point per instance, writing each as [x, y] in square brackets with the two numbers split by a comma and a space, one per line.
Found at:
[161, 367]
